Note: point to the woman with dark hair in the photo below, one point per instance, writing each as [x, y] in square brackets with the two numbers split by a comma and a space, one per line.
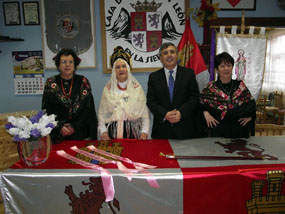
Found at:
[228, 107]
[69, 97]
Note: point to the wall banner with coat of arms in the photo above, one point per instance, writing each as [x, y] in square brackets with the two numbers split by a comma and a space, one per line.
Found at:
[140, 27]
[68, 24]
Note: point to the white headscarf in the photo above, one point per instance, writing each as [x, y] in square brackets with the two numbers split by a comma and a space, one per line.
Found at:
[116, 106]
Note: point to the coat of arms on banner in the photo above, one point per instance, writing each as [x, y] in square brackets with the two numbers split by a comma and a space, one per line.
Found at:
[67, 26]
[146, 27]
[140, 27]
[146, 30]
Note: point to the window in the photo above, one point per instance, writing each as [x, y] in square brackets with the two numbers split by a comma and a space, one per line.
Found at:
[274, 76]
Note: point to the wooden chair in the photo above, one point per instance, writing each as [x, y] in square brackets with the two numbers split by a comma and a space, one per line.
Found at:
[8, 148]
[278, 102]
[276, 108]
[2, 211]
[269, 129]
[260, 108]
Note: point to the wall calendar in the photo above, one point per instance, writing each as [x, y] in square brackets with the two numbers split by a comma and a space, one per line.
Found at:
[28, 72]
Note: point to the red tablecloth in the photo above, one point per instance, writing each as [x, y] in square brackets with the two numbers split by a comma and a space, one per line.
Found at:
[140, 151]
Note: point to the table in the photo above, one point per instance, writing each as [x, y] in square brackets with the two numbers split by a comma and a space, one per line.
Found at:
[186, 186]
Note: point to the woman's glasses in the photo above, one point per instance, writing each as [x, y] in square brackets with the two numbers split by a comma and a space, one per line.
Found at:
[66, 62]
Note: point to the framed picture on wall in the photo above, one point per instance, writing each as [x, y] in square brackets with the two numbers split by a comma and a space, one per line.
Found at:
[140, 27]
[11, 11]
[71, 24]
[31, 13]
[236, 5]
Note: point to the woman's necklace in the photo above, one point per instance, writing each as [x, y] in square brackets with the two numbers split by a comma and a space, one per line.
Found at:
[228, 92]
[119, 87]
[70, 89]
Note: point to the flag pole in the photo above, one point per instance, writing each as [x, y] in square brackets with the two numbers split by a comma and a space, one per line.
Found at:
[242, 27]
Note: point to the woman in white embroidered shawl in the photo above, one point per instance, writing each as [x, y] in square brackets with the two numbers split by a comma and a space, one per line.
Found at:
[123, 112]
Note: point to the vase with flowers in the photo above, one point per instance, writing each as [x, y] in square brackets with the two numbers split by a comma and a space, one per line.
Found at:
[204, 15]
[32, 136]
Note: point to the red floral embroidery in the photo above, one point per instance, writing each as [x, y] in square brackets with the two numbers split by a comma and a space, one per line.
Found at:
[221, 107]
[218, 99]
[85, 82]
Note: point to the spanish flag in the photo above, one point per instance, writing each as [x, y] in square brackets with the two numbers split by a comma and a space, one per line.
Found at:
[189, 56]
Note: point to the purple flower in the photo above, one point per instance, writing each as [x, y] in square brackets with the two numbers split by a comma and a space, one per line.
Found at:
[40, 113]
[37, 117]
[50, 125]
[34, 119]
[9, 126]
[35, 133]
[18, 139]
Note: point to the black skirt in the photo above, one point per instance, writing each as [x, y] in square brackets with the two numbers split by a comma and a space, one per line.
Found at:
[131, 129]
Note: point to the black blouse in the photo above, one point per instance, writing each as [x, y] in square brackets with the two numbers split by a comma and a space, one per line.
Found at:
[77, 109]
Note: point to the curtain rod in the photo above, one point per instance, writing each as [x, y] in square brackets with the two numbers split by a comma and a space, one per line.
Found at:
[243, 27]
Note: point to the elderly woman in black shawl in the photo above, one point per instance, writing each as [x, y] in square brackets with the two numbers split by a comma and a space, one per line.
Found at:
[227, 104]
[69, 97]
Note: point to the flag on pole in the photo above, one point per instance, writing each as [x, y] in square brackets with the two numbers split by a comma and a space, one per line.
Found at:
[212, 55]
[189, 56]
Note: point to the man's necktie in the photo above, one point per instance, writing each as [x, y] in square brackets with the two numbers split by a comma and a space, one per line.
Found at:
[171, 84]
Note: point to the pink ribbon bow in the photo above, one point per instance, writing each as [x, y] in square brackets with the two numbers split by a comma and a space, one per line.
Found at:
[120, 166]
[107, 179]
[141, 167]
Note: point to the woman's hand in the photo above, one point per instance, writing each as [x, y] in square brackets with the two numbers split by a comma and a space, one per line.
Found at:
[104, 136]
[211, 121]
[143, 136]
[67, 130]
[244, 121]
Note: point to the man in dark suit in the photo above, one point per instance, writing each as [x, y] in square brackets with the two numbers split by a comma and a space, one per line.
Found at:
[173, 117]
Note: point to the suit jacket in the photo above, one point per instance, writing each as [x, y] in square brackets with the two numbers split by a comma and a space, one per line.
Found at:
[185, 99]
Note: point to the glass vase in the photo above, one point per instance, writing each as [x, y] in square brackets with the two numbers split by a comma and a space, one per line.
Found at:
[34, 151]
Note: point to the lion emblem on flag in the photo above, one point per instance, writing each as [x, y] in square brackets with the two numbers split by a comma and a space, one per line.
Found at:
[91, 201]
[244, 149]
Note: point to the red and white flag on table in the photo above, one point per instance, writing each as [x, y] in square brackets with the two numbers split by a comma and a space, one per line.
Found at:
[189, 56]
